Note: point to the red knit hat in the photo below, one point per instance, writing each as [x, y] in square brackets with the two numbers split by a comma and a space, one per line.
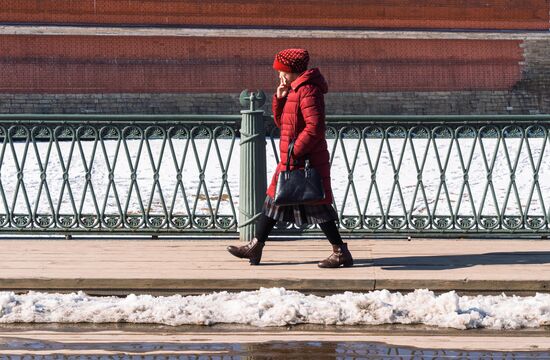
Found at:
[291, 60]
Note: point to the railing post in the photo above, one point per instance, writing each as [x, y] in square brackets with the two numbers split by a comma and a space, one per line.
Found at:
[252, 174]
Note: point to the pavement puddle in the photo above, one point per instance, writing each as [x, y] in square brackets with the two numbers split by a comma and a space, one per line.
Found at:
[137, 341]
[37, 349]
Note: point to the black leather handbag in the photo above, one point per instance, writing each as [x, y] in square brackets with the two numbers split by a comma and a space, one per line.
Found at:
[298, 186]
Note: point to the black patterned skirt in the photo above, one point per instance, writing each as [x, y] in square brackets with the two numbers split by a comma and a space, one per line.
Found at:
[299, 214]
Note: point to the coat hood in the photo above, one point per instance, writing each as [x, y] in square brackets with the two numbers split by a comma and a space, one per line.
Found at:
[312, 76]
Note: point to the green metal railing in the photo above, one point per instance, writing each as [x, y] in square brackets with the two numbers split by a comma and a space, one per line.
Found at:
[45, 158]
[504, 149]
[181, 175]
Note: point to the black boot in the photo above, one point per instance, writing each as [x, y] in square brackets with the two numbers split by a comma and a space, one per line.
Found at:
[252, 251]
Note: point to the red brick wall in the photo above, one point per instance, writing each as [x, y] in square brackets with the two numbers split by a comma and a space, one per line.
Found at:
[447, 14]
[105, 64]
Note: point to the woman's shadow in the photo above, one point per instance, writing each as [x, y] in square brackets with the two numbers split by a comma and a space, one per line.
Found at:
[356, 262]
[443, 262]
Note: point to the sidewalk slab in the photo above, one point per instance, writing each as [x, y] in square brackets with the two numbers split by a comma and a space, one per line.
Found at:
[196, 266]
[147, 343]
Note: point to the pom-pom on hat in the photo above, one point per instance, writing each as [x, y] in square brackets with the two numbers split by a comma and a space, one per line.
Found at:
[291, 60]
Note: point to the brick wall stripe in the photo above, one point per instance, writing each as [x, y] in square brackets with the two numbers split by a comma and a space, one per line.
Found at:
[446, 14]
[74, 64]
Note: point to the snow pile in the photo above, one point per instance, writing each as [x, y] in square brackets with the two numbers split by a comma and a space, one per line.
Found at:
[280, 307]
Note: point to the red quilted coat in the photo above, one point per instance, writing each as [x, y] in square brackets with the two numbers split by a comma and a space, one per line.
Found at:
[301, 114]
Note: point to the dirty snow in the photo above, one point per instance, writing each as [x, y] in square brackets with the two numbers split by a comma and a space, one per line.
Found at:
[281, 307]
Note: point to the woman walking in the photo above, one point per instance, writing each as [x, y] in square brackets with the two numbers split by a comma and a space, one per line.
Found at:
[299, 113]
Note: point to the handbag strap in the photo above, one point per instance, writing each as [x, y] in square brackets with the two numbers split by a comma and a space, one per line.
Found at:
[290, 152]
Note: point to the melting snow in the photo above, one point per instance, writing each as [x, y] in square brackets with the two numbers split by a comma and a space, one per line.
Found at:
[280, 307]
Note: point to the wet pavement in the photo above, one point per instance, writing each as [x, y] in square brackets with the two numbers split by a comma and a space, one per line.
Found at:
[24, 349]
[129, 341]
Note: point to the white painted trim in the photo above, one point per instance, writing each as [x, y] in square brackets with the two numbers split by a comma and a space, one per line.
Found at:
[270, 33]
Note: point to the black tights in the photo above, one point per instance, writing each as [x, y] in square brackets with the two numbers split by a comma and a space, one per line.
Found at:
[265, 224]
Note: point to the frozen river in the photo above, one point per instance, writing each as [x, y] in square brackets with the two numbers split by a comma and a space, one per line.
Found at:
[145, 191]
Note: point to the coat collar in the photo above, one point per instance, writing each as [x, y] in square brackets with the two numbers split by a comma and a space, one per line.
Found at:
[310, 76]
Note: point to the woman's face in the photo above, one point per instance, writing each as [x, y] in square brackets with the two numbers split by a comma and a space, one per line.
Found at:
[287, 78]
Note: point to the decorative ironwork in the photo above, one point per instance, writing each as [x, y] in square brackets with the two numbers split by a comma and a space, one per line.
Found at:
[421, 175]
[439, 174]
[99, 174]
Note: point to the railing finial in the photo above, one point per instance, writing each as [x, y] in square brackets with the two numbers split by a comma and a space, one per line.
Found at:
[253, 99]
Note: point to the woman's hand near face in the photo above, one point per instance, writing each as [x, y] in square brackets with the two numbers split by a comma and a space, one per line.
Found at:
[282, 89]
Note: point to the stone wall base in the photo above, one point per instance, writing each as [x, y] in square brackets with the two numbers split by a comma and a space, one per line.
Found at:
[520, 101]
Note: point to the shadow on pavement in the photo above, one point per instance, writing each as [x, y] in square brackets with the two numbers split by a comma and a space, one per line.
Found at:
[444, 262]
